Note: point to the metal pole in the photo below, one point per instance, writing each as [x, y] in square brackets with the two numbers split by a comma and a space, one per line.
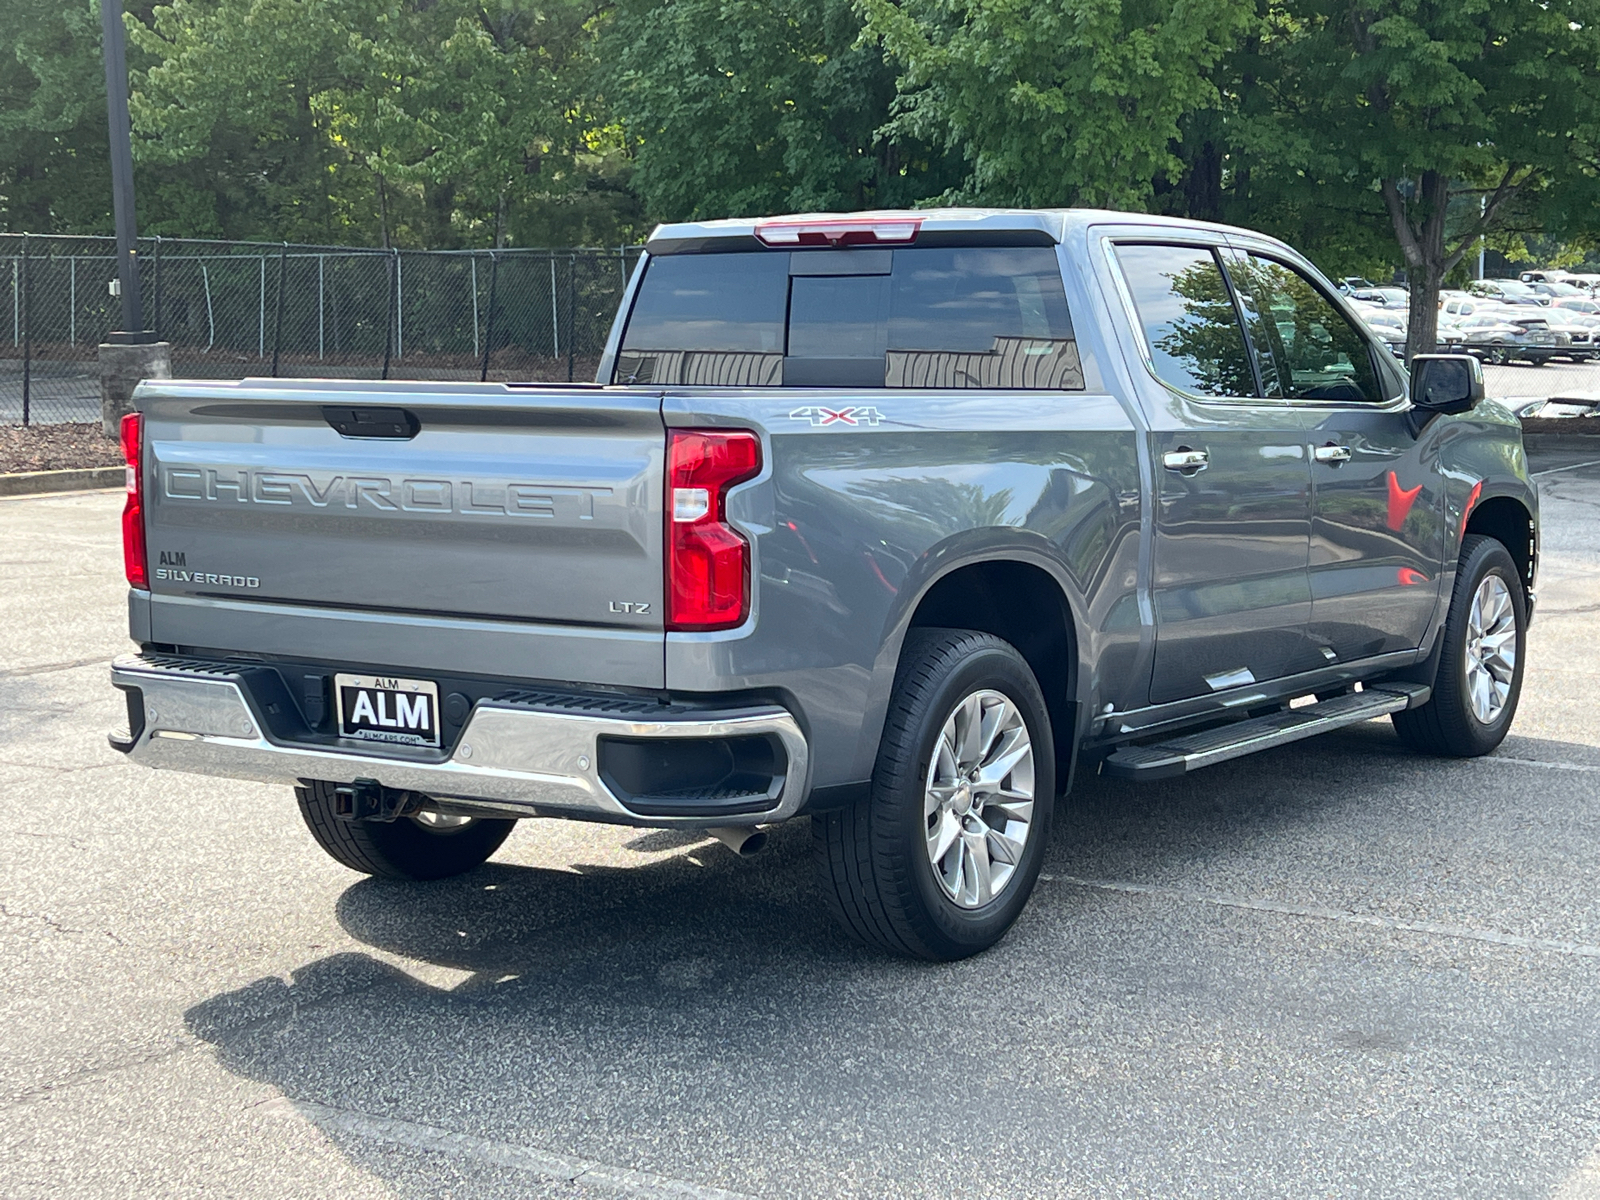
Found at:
[211, 320]
[555, 330]
[322, 262]
[277, 329]
[116, 61]
[261, 312]
[157, 322]
[399, 309]
[27, 331]
[572, 314]
[72, 299]
[488, 333]
[1482, 206]
[16, 301]
[474, 306]
[388, 317]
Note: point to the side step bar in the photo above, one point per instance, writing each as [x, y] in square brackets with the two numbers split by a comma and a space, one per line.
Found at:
[1180, 755]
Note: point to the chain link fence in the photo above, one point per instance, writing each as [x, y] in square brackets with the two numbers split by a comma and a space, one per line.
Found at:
[237, 309]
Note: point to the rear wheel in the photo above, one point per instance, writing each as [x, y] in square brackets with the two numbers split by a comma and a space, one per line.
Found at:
[424, 846]
[1479, 679]
[939, 859]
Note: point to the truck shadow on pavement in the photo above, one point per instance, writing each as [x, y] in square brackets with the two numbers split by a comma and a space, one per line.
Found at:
[673, 1015]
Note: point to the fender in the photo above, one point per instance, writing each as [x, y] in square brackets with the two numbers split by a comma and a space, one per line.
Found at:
[971, 548]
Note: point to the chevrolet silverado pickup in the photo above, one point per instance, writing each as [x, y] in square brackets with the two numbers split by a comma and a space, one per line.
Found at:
[894, 521]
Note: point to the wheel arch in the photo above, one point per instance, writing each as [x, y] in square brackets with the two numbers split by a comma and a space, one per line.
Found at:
[1023, 602]
[1508, 521]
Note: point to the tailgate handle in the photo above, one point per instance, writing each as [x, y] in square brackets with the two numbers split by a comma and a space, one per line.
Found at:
[372, 422]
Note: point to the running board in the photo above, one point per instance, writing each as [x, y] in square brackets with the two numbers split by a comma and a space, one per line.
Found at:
[1180, 755]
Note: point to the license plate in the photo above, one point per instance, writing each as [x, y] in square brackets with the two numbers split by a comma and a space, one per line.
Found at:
[379, 708]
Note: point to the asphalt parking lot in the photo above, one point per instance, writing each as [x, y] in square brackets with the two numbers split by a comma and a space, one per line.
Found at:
[1337, 969]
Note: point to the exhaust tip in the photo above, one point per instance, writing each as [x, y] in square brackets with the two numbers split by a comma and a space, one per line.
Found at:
[744, 840]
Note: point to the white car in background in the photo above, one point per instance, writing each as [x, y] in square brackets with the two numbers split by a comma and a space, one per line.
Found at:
[1582, 330]
[1387, 297]
[1389, 324]
[1570, 304]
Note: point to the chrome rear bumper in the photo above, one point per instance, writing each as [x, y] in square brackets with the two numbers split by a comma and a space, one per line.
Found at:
[515, 757]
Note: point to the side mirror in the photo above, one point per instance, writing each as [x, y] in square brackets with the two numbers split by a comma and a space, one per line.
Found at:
[1446, 383]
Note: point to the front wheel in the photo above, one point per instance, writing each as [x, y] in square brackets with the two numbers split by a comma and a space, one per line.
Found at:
[425, 846]
[938, 860]
[1479, 680]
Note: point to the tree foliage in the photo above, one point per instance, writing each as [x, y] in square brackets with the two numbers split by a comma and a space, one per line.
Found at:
[1367, 132]
[1056, 101]
[750, 106]
[1424, 102]
[439, 119]
[52, 112]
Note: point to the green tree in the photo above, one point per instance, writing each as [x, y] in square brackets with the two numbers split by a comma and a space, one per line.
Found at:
[53, 172]
[1424, 102]
[421, 122]
[1058, 101]
[753, 107]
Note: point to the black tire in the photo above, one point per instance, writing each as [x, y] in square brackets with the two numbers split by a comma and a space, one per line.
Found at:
[405, 848]
[873, 856]
[1446, 724]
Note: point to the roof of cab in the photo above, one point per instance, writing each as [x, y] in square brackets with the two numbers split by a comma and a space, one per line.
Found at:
[1052, 223]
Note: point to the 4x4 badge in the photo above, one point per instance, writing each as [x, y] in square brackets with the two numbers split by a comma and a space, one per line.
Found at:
[818, 415]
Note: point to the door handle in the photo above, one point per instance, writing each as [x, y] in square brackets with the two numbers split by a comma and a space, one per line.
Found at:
[1331, 454]
[1185, 460]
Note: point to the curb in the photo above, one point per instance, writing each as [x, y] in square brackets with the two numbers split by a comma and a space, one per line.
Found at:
[42, 483]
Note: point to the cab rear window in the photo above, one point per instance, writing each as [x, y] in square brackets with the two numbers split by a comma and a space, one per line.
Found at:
[933, 317]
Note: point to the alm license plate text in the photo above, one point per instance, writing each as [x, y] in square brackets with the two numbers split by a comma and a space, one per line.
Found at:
[379, 708]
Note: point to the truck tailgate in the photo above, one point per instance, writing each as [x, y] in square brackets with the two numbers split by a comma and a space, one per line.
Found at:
[509, 504]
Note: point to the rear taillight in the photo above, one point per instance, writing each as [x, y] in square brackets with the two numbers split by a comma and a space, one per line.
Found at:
[133, 552]
[708, 561]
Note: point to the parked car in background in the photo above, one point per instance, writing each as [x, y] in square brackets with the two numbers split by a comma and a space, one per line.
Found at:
[1501, 337]
[1389, 325]
[1559, 289]
[1582, 331]
[1388, 297]
[1459, 305]
[1451, 334]
[1351, 282]
[1542, 275]
[1575, 304]
[1507, 291]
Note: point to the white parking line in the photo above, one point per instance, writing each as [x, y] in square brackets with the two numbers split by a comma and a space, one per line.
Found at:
[1539, 762]
[1573, 467]
[500, 1154]
[1314, 912]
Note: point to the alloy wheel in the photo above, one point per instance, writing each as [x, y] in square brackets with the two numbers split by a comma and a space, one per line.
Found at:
[978, 802]
[1491, 649]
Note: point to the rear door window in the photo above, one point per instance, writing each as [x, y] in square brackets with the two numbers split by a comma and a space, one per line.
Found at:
[923, 317]
[1188, 317]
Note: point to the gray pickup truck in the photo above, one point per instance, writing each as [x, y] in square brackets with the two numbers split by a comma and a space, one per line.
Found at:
[893, 520]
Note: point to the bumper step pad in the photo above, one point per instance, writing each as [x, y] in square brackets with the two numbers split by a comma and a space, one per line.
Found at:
[1180, 755]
